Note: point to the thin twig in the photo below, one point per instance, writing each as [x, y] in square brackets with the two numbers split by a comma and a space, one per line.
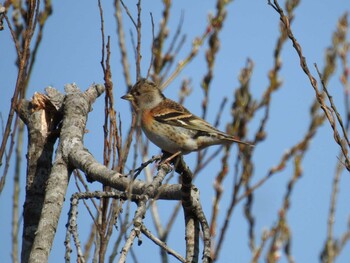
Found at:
[152, 56]
[197, 43]
[138, 170]
[122, 45]
[129, 14]
[334, 108]
[163, 245]
[138, 47]
[14, 38]
[313, 81]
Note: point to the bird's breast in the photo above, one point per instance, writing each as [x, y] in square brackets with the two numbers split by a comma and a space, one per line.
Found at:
[167, 137]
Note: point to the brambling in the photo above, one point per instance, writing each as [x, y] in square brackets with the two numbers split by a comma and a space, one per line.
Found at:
[169, 125]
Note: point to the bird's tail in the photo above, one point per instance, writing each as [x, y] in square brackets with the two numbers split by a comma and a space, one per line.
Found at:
[231, 139]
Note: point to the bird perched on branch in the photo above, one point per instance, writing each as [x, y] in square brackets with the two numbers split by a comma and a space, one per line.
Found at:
[169, 125]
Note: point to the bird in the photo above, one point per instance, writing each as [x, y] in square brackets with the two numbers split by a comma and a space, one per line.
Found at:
[171, 126]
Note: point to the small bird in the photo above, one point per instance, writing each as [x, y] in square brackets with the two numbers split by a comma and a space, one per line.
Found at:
[169, 125]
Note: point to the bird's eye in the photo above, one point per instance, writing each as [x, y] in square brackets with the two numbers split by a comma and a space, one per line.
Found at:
[137, 93]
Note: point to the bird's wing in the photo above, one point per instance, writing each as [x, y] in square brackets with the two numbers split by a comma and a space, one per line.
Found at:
[175, 114]
[172, 113]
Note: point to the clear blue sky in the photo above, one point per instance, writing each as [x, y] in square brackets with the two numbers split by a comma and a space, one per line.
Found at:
[71, 52]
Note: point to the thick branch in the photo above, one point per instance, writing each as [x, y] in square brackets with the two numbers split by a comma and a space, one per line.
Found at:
[40, 149]
[194, 216]
[83, 160]
[76, 108]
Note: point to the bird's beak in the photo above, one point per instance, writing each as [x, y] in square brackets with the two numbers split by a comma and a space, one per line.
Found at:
[127, 96]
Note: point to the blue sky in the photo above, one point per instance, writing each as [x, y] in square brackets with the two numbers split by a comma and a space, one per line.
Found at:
[71, 52]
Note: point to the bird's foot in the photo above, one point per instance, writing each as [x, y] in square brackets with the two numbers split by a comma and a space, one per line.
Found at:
[169, 158]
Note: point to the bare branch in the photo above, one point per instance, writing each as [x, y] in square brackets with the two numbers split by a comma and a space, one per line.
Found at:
[313, 82]
[122, 45]
[163, 245]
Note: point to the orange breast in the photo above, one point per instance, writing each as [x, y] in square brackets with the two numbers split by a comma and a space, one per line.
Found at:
[147, 120]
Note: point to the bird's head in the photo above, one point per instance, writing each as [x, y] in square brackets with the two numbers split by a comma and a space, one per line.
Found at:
[144, 94]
